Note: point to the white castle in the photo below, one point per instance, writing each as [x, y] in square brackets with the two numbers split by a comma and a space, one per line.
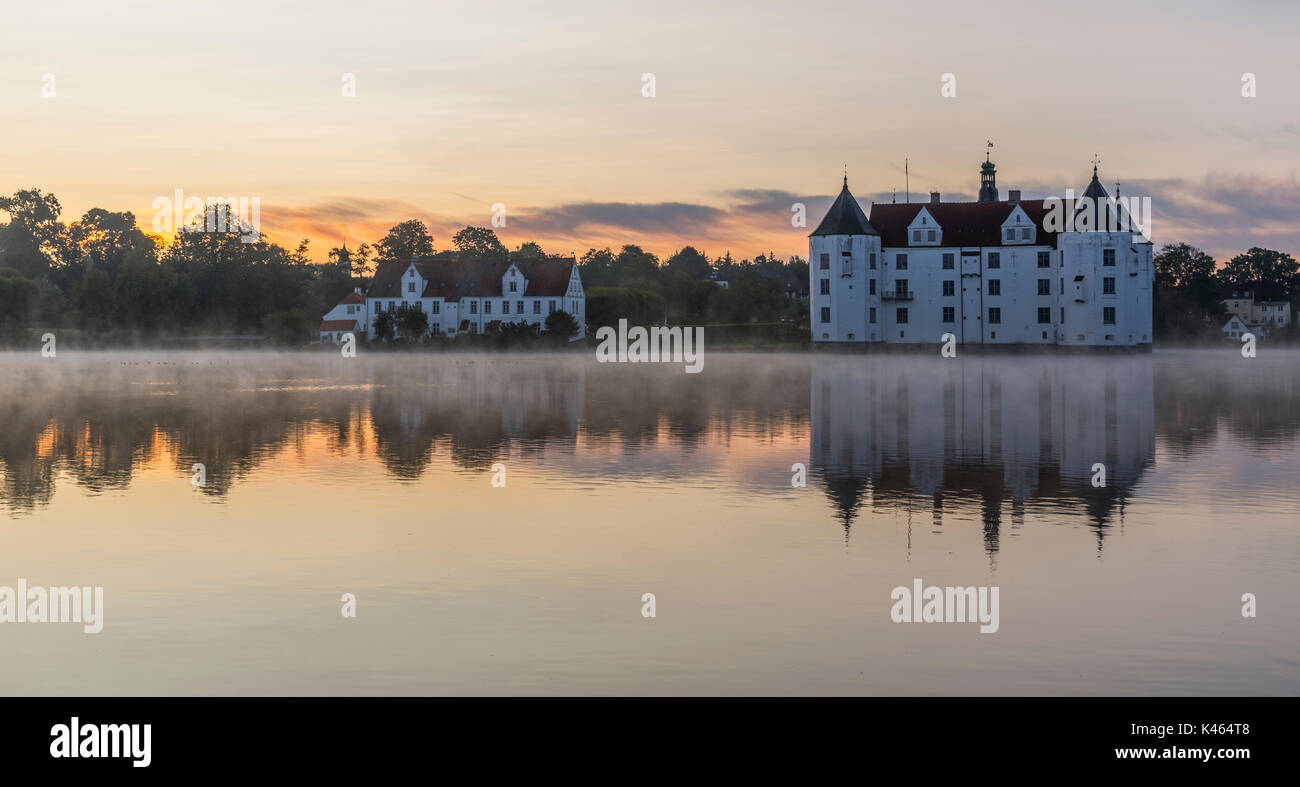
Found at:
[995, 271]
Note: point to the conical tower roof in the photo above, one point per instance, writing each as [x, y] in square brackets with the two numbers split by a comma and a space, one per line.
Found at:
[845, 217]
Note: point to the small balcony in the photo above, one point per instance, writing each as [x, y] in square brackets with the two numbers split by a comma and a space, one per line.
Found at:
[896, 295]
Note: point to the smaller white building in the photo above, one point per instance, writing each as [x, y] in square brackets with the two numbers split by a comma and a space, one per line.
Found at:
[1234, 328]
[349, 316]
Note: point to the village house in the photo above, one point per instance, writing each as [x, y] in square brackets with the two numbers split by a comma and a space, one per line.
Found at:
[1260, 311]
[1234, 328]
[987, 272]
[468, 297]
[349, 316]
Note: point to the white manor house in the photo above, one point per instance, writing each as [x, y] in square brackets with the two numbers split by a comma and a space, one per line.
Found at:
[987, 272]
[464, 297]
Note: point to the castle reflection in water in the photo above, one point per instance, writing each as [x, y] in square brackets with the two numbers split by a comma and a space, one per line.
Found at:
[986, 431]
[980, 438]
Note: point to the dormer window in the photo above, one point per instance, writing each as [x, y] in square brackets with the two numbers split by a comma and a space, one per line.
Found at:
[514, 286]
[1011, 234]
[916, 236]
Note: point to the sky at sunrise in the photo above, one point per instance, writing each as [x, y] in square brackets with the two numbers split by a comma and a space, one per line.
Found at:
[756, 106]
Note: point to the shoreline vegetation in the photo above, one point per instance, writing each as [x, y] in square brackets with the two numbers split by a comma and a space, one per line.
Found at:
[101, 282]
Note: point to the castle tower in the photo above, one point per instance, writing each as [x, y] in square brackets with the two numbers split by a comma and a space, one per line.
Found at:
[988, 181]
[843, 264]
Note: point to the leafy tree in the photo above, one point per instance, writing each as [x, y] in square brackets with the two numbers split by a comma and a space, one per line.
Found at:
[478, 243]
[412, 322]
[528, 250]
[150, 296]
[385, 326]
[406, 240]
[596, 268]
[690, 262]
[101, 239]
[32, 239]
[1263, 269]
[18, 299]
[561, 325]
[93, 300]
[361, 264]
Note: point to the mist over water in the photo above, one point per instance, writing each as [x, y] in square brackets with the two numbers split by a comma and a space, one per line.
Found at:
[371, 476]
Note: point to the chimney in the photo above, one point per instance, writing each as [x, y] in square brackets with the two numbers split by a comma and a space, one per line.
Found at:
[1013, 195]
[934, 198]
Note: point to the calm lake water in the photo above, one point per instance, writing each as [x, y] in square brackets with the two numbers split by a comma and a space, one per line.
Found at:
[373, 476]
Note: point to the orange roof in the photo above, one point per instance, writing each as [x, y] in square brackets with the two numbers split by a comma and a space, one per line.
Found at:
[338, 325]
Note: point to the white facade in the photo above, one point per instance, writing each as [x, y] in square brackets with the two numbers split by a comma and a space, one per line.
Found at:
[455, 304]
[909, 279]
[349, 316]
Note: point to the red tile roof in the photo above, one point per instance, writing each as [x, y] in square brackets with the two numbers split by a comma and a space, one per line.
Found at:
[352, 297]
[963, 223]
[452, 280]
[338, 325]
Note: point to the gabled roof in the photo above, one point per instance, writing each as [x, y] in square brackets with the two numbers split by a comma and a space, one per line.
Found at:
[963, 223]
[845, 217]
[452, 279]
[352, 297]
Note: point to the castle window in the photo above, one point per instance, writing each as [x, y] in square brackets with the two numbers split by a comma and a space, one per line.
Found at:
[410, 286]
[1011, 234]
[1108, 285]
[949, 314]
[487, 307]
[871, 287]
[826, 287]
[995, 315]
[826, 314]
[1044, 259]
[519, 307]
[473, 307]
[825, 261]
[537, 307]
[995, 259]
[949, 288]
[873, 260]
[1107, 256]
[948, 262]
[1108, 315]
[435, 306]
[930, 236]
[1044, 315]
[900, 316]
[505, 307]
[916, 236]
[1044, 286]
[871, 315]
[995, 286]
[900, 262]
[1024, 233]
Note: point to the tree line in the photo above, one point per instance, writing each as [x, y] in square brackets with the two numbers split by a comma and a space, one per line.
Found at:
[1189, 288]
[104, 277]
[107, 280]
